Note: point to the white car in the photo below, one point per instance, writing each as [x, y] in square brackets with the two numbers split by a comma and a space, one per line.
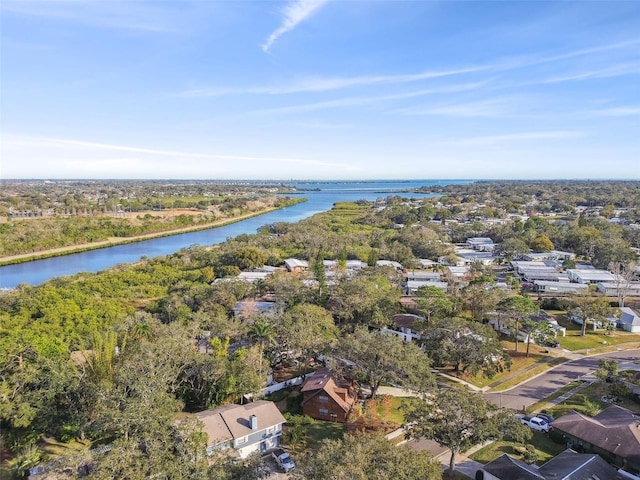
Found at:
[283, 459]
[536, 423]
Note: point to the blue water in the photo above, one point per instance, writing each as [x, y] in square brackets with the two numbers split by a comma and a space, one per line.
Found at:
[39, 271]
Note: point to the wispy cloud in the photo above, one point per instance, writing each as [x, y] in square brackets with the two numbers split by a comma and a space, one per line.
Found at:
[531, 60]
[323, 84]
[626, 111]
[488, 140]
[355, 101]
[499, 107]
[117, 14]
[295, 12]
[28, 141]
[608, 72]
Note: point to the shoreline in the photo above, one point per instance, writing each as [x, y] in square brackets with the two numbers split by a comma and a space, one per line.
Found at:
[115, 241]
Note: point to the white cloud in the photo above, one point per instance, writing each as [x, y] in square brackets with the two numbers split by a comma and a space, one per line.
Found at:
[294, 13]
[612, 71]
[492, 108]
[353, 101]
[627, 111]
[70, 155]
[323, 84]
[488, 140]
[156, 17]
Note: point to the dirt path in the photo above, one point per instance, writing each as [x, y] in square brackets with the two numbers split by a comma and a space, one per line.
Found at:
[54, 252]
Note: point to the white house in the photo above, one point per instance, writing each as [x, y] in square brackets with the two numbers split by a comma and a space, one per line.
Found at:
[251, 428]
[590, 276]
[612, 289]
[413, 285]
[483, 244]
[629, 321]
[559, 288]
[295, 265]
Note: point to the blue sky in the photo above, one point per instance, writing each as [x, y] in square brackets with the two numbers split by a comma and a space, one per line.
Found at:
[315, 89]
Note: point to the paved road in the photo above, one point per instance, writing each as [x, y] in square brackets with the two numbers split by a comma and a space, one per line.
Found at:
[544, 385]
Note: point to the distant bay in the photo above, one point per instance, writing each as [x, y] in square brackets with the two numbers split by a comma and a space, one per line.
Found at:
[320, 197]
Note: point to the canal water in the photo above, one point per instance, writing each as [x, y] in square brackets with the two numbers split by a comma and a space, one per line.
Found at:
[320, 197]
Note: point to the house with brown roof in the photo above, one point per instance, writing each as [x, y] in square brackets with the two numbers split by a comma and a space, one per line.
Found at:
[327, 398]
[614, 434]
[251, 428]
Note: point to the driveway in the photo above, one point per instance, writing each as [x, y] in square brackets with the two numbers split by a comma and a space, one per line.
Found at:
[276, 472]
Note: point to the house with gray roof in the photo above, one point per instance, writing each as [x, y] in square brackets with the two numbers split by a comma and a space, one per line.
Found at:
[252, 428]
[568, 465]
[629, 320]
[614, 434]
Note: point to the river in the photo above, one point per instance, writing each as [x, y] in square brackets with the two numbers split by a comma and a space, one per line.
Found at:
[320, 197]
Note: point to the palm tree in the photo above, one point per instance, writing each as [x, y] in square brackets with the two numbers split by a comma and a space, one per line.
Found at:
[263, 333]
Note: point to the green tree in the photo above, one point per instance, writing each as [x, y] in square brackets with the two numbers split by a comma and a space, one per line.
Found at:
[263, 333]
[513, 247]
[308, 329]
[365, 300]
[480, 298]
[607, 368]
[433, 302]
[456, 419]
[541, 243]
[467, 346]
[538, 331]
[515, 309]
[374, 358]
[366, 456]
[590, 308]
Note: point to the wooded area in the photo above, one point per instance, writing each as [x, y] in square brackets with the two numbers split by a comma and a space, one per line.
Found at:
[114, 358]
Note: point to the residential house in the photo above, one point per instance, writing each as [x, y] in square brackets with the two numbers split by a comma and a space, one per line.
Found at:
[559, 288]
[404, 324]
[426, 263]
[614, 434]
[390, 263]
[412, 286]
[458, 272]
[590, 275]
[552, 255]
[483, 244]
[546, 274]
[568, 465]
[252, 428]
[629, 320]
[519, 265]
[469, 257]
[296, 266]
[611, 289]
[251, 308]
[324, 397]
[425, 276]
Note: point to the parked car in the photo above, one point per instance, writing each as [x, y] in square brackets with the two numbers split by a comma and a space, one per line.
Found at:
[536, 423]
[283, 459]
[546, 417]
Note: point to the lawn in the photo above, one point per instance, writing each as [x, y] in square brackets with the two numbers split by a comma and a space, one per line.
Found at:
[396, 415]
[545, 449]
[320, 430]
[574, 341]
[519, 361]
[587, 401]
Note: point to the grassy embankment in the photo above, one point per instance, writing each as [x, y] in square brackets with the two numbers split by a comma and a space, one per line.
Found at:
[67, 250]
